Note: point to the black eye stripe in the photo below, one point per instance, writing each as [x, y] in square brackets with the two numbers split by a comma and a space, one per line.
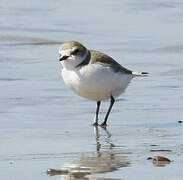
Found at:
[75, 51]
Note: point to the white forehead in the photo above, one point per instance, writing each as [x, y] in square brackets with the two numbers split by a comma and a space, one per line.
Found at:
[67, 51]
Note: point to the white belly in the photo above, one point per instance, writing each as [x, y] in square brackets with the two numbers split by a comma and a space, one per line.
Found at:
[96, 82]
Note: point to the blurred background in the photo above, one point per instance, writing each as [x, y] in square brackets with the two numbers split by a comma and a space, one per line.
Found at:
[45, 125]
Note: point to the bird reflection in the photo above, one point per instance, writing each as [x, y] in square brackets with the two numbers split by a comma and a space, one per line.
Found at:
[107, 158]
[98, 141]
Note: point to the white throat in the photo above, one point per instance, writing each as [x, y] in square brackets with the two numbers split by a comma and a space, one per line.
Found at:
[73, 61]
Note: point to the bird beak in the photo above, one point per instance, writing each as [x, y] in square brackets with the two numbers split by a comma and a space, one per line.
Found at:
[62, 58]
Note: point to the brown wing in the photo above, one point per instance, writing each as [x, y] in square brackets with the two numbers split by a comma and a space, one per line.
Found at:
[105, 60]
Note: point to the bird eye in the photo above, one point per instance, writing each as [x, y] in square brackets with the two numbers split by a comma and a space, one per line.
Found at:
[75, 51]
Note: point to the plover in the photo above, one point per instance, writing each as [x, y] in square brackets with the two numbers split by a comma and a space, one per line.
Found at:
[94, 75]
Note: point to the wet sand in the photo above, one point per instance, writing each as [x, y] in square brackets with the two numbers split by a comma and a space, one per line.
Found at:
[45, 126]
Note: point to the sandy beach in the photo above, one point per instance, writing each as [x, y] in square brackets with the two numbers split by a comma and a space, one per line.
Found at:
[45, 129]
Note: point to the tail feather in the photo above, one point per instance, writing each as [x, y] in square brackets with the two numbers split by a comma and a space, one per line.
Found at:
[142, 74]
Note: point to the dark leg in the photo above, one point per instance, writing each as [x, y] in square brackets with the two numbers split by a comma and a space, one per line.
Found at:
[108, 112]
[96, 115]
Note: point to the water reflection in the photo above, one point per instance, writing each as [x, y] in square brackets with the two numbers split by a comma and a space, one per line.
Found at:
[107, 158]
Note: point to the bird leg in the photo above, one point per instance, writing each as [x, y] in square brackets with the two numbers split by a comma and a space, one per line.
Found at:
[96, 115]
[108, 112]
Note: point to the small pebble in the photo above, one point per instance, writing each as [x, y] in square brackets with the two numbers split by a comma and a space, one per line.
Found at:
[160, 150]
[149, 158]
[153, 145]
[160, 161]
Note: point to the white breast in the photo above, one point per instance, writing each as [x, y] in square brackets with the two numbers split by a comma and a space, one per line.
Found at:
[96, 82]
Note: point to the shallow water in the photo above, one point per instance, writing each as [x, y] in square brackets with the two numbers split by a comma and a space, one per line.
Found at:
[44, 125]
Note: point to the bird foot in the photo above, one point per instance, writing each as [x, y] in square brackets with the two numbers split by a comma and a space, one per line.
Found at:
[103, 125]
[95, 124]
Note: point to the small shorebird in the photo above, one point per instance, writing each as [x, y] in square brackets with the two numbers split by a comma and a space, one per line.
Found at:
[94, 75]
